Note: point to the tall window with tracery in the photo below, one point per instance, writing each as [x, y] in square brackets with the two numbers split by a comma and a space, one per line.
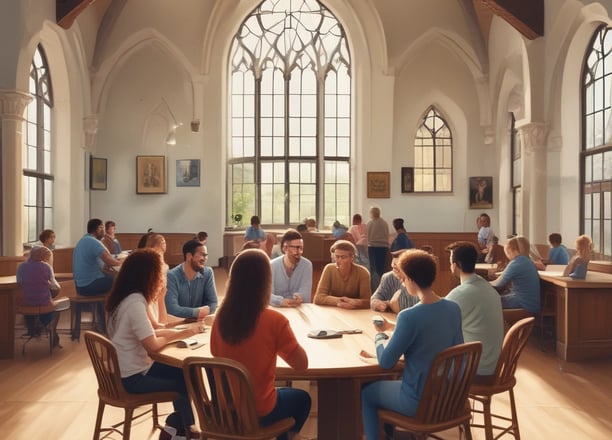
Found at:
[596, 154]
[37, 157]
[433, 154]
[290, 146]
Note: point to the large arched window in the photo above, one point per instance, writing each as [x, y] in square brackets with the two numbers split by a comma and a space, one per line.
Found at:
[37, 157]
[290, 150]
[433, 154]
[596, 154]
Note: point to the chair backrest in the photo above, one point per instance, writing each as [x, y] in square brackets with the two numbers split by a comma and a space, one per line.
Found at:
[223, 396]
[448, 383]
[512, 347]
[103, 356]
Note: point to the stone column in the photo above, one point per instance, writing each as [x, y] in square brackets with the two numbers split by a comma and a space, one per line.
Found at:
[533, 138]
[12, 107]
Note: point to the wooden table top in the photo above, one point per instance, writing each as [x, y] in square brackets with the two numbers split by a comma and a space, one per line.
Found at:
[327, 358]
[594, 280]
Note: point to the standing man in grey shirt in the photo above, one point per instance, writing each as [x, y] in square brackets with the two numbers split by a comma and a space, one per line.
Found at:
[291, 273]
[377, 231]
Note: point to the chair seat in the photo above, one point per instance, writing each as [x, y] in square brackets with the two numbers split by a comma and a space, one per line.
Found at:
[79, 301]
[413, 425]
[88, 299]
[61, 303]
[514, 315]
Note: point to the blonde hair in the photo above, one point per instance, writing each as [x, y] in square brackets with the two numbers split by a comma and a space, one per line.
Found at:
[584, 245]
[375, 211]
[523, 245]
[344, 245]
[513, 244]
[40, 253]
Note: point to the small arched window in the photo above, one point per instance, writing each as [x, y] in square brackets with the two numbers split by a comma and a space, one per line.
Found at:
[433, 154]
[37, 154]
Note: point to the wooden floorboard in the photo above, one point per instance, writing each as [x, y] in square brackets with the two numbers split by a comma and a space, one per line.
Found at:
[54, 397]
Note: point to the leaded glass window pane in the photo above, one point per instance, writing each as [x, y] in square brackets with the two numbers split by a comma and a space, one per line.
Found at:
[433, 154]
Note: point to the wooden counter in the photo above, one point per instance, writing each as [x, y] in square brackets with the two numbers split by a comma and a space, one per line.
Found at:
[584, 308]
[8, 292]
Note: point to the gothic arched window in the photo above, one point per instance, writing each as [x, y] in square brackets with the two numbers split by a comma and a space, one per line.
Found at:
[433, 154]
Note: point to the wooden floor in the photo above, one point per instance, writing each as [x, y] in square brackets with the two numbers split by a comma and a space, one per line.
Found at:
[54, 397]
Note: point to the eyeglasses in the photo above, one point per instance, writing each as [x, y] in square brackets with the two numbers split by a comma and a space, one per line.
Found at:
[201, 253]
[342, 256]
[296, 247]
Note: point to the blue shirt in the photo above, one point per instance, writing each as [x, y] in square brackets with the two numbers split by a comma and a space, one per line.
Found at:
[184, 297]
[523, 275]
[284, 286]
[86, 262]
[389, 284]
[402, 241]
[421, 332]
[558, 255]
[253, 233]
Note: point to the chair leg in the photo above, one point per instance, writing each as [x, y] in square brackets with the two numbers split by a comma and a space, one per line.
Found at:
[97, 429]
[488, 422]
[155, 417]
[515, 425]
[466, 430]
[76, 328]
[127, 425]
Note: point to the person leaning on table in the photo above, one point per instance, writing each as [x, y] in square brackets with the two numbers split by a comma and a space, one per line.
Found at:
[139, 282]
[191, 290]
[246, 330]
[391, 293]
[344, 283]
[421, 332]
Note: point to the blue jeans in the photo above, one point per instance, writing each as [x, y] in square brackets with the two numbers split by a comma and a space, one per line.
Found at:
[98, 287]
[510, 301]
[162, 377]
[290, 402]
[383, 394]
[377, 257]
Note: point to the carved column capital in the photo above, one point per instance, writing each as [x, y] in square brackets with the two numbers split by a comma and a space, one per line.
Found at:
[13, 104]
[534, 136]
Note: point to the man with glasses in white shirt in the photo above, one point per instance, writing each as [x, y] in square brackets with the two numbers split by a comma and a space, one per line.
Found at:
[191, 290]
[291, 273]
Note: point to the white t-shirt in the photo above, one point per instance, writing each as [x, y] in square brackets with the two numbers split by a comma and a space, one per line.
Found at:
[127, 327]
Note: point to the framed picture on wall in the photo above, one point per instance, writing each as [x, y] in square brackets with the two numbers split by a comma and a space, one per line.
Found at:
[407, 179]
[379, 185]
[481, 192]
[151, 175]
[97, 173]
[188, 172]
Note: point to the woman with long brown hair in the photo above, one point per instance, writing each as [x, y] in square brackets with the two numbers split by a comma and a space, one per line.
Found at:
[138, 283]
[249, 332]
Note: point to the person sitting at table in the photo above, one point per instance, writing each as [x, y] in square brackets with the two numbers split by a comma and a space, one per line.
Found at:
[391, 293]
[254, 232]
[202, 237]
[47, 239]
[291, 273]
[191, 290]
[578, 266]
[521, 277]
[39, 287]
[401, 240]
[358, 231]
[139, 281]
[157, 307]
[109, 240]
[344, 283]
[557, 253]
[485, 235]
[421, 332]
[481, 310]
[246, 330]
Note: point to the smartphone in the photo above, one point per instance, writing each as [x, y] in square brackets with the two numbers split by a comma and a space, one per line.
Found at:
[378, 321]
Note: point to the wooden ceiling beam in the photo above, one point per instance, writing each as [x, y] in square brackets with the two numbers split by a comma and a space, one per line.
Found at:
[526, 16]
[66, 11]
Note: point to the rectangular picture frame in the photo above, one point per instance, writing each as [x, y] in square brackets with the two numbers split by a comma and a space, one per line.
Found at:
[407, 179]
[481, 192]
[151, 176]
[188, 172]
[98, 173]
[378, 184]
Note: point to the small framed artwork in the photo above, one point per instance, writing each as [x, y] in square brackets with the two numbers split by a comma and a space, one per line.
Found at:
[151, 175]
[481, 192]
[407, 179]
[97, 173]
[379, 185]
[188, 172]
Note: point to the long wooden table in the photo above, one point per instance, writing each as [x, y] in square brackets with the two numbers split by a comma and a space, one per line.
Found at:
[334, 363]
[583, 311]
[8, 292]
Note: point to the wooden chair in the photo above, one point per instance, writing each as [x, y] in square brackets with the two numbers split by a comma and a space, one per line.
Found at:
[228, 412]
[103, 356]
[79, 303]
[483, 389]
[444, 402]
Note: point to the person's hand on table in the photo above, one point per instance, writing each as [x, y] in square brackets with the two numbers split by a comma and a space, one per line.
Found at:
[378, 305]
[386, 325]
[348, 303]
[292, 302]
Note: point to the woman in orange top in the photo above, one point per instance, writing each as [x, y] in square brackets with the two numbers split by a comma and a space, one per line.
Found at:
[249, 332]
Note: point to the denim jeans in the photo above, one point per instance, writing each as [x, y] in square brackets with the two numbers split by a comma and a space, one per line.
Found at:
[98, 287]
[162, 377]
[290, 402]
[382, 394]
